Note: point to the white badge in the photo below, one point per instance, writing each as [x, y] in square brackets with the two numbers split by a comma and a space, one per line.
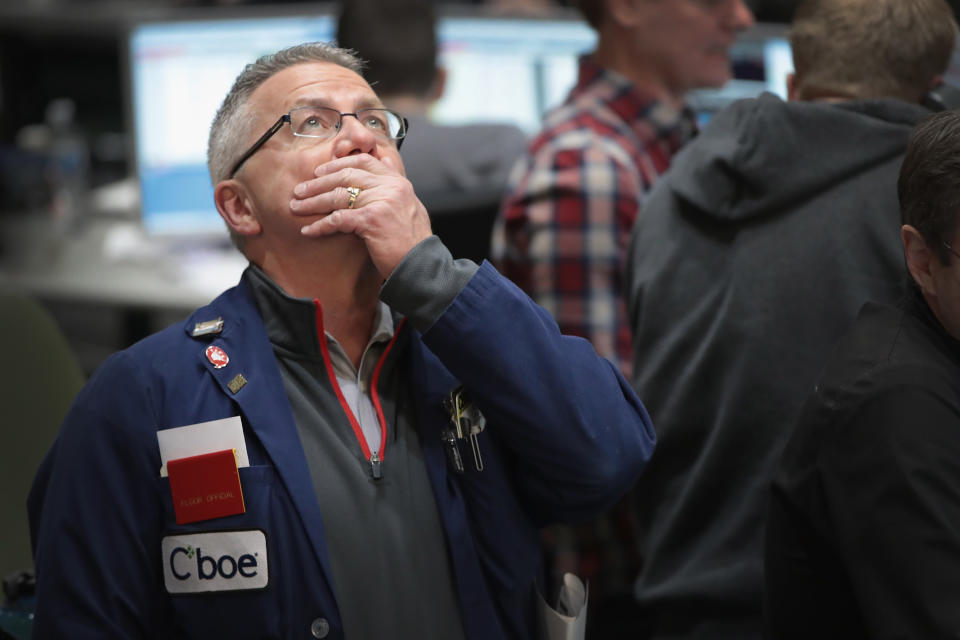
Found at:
[203, 437]
[215, 561]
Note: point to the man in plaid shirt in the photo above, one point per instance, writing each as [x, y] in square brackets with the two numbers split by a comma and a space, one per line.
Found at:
[564, 227]
[563, 230]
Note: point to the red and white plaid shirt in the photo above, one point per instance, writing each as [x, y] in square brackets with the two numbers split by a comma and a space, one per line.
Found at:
[563, 230]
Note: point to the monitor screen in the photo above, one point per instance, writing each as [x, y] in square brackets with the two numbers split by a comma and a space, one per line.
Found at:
[179, 74]
[180, 70]
[509, 70]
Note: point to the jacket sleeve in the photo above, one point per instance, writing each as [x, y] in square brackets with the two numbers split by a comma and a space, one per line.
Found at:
[577, 434]
[94, 519]
[892, 490]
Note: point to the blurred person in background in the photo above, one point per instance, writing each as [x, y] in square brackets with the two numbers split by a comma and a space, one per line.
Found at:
[563, 228]
[752, 257]
[863, 536]
[398, 42]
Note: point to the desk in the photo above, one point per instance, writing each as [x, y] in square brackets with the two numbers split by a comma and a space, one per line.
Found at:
[109, 261]
[106, 267]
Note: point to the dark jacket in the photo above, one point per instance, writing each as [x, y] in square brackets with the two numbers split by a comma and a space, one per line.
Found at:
[750, 260]
[863, 538]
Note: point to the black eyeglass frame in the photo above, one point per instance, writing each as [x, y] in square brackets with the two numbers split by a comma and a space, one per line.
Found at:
[949, 247]
[285, 119]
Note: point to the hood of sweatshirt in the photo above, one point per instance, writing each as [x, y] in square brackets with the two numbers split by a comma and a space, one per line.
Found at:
[761, 154]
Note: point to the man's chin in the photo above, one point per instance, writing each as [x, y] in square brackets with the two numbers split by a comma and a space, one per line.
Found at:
[715, 74]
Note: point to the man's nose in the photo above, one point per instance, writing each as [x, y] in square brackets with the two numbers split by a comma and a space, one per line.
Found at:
[353, 137]
[740, 16]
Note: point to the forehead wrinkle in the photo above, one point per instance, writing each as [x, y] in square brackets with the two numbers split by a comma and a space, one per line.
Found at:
[367, 102]
[320, 92]
[279, 90]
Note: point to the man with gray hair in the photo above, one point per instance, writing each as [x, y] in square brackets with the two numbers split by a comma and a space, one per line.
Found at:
[349, 443]
[752, 258]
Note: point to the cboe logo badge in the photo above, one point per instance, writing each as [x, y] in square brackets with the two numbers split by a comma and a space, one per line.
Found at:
[215, 561]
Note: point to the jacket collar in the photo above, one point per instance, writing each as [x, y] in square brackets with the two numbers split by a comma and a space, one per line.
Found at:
[251, 377]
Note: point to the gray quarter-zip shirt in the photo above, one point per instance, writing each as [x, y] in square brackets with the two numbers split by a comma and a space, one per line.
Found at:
[385, 541]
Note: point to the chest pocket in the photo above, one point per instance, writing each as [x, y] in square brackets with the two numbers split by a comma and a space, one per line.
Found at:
[221, 574]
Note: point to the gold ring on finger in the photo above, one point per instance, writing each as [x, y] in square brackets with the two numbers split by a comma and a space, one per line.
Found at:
[354, 192]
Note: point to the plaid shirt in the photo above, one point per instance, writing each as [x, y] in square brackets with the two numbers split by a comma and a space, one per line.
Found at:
[562, 236]
[563, 231]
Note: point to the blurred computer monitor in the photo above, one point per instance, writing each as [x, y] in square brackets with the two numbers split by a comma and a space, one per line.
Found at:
[180, 70]
[509, 70]
[500, 69]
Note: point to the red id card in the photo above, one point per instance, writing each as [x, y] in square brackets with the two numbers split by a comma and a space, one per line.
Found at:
[205, 486]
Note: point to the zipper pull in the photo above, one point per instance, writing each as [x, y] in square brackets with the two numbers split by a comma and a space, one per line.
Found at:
[376, 465]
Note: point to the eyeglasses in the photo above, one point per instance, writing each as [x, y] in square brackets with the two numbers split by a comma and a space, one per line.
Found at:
[321, 123]
[950, 248]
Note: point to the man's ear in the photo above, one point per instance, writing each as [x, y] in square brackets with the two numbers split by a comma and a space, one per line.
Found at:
[919, 259]
[235, 207]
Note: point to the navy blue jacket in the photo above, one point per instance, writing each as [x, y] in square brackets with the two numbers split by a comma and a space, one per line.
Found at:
[566, 437]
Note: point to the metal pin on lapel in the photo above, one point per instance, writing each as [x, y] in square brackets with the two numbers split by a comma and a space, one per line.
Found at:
[208, 327]
[237, 383]
[217, 357]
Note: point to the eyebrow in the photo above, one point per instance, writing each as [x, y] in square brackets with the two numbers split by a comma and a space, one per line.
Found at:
[367, 103]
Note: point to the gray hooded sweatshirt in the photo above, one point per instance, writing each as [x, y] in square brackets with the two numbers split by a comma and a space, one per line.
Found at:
[749, 261]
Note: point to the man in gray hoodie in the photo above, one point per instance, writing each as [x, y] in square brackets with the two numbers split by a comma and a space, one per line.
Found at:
[751, 258]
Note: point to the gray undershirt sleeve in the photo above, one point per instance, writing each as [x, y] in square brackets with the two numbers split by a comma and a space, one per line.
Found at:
[425, 282]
